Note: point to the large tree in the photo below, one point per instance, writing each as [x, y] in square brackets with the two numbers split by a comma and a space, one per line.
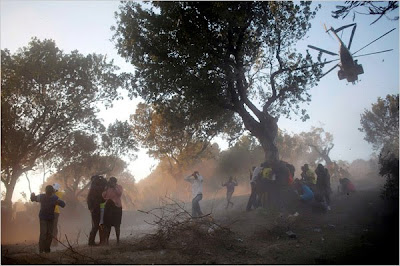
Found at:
[381, 128]
[46, 96]
[381, 123]
[211, 62]
[320, 141]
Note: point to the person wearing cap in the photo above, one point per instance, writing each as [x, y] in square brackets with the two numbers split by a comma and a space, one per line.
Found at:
[48, 201]
[197, 192]
[113, 209]
[60, 195]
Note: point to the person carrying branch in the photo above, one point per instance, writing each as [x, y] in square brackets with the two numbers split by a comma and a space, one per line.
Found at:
[230, 188]
[48, 202]
[197, 192]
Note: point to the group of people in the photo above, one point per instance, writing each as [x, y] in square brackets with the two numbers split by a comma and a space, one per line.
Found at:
[269, 183]
[104, 203]
[270, 179]
[275, 183]
[105, 206]
[315, 189]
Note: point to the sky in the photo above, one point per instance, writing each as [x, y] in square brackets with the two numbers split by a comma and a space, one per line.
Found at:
[336, 105]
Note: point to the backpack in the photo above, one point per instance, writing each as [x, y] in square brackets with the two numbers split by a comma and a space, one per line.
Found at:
[267, 173]
[311, 177]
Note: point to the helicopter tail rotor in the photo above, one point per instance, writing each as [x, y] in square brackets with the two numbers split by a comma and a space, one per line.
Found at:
[328, 30]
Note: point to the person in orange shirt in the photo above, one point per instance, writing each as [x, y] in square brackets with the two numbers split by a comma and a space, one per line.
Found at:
[60, 195]
[113, 209]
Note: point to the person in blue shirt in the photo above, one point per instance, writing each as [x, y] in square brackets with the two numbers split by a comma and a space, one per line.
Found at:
[48, 201]
[305, 192]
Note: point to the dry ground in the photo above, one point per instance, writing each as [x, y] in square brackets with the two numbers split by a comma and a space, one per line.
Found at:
[360, 229]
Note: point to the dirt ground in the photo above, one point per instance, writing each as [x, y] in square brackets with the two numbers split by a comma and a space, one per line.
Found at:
[360, 229]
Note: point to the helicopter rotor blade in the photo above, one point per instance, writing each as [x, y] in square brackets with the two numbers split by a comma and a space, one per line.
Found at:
[374, 41]
[321, 50]
[329, 70]
[384, 51]
[352, 35]
[344, 27]
[327, 62]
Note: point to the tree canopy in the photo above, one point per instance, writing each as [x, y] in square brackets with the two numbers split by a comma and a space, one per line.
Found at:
[167, 139]
[320, 141]
[47, 97]
[210, 63]
[381, 123]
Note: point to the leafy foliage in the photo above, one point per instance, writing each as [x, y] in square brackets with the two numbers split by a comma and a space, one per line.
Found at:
[212, 63]
[240, 158]
[166, 139]
[381, 128]
[381, 123]
[50, 98]
[320, 141]
[118, 140]
[377, 8]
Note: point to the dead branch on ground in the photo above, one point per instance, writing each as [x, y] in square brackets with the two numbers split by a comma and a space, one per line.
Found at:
[177, 229]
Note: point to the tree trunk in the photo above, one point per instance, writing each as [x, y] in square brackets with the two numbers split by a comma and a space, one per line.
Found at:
[11, 186]
[328, 160]
[266, 134]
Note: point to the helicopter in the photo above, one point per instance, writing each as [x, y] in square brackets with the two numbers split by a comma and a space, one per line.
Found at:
[348, 67]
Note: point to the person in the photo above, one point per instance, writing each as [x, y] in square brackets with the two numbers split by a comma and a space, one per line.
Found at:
[292, 169]
[319, 204]
[304, 191]
[197, 192]
[254, 176]
[323, 184]
[60, 195]
[48, 202]
[113, 208]
[307, 176]
[230, 188]
[94, 199]
[346, 186]
[280, 187]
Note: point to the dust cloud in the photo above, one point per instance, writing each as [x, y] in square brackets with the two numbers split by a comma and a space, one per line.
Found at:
[21, 224]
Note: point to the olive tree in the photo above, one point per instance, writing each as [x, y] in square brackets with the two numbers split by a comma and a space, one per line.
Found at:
[214, 62]
[46, 96]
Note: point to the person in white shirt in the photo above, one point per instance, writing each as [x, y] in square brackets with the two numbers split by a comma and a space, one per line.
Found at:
[197, 192]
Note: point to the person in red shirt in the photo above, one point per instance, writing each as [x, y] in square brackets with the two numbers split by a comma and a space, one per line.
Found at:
[113, 208]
